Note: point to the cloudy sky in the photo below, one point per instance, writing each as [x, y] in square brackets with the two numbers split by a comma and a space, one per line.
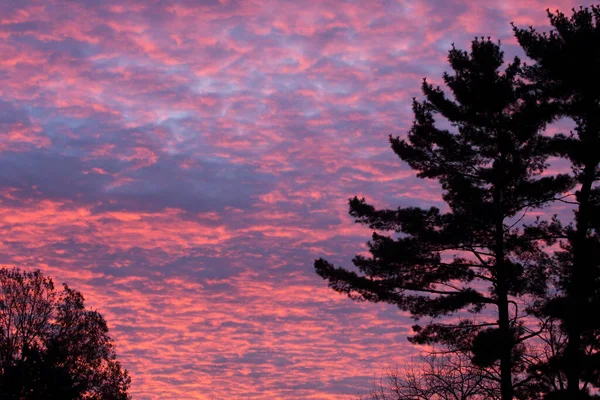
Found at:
[182, 163]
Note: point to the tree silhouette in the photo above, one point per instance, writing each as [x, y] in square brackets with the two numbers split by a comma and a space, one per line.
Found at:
[472, 257]
[51, 347]
[437, 377]
[566, 72]
[452, 375]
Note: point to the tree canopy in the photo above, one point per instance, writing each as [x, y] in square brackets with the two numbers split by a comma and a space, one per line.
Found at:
[51, 346]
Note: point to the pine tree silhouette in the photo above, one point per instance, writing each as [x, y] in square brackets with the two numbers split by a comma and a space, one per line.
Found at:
[566, 73]
[472, 257]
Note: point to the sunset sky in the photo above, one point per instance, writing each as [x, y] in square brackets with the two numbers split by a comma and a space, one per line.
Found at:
[183, 162]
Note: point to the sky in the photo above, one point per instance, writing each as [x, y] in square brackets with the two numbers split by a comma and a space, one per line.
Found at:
[182, 163]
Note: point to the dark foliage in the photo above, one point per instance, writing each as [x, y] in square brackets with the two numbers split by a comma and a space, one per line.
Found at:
[51, 346]
[566, 73]
[489, 163]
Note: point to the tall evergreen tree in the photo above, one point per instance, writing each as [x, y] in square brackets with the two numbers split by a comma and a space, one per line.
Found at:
[566, 73]
[472, 257]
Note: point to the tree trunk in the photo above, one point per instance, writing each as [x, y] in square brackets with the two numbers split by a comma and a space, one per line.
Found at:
[506, 387]
[577, 291]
